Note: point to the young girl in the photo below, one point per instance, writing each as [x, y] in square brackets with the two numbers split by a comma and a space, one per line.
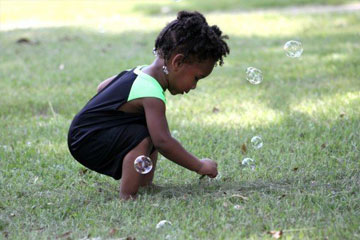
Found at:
[126, 118]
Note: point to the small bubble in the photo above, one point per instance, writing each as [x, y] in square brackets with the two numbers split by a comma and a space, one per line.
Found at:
[165, 10]
[293, 49]
[163, 223]
[254, 75]
[237, 207]
[217, 178]
[248, 162]
[143, 164]
[175, 133]
[256, 142]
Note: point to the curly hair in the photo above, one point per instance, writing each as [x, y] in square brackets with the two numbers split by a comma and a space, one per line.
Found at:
[190, 35]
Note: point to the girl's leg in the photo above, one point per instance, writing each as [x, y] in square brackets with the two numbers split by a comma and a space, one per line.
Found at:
[148, 178]
[131, 179]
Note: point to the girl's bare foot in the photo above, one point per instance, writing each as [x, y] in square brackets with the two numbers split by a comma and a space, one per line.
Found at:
[126, 197]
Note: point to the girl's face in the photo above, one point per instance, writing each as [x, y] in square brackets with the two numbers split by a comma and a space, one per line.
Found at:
[183, 77]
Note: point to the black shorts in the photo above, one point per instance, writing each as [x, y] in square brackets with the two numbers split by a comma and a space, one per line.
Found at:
[105, 150]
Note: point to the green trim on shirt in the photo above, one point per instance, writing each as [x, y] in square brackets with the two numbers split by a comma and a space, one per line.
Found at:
[145, 86]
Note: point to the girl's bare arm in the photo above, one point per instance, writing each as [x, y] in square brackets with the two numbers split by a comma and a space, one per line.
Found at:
[167, 145]
[105, 83]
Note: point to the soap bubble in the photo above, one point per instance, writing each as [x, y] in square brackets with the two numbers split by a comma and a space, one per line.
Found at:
[175, 133]
[256, 142]
[248, 162]
[217, 178]
[254, 75]
[143, 164]
[237, 207]
[163, 223]
[293, 49]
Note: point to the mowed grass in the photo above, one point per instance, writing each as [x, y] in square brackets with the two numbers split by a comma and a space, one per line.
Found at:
[307, 111]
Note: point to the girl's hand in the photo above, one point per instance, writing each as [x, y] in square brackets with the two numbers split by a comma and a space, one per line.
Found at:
[208, 167]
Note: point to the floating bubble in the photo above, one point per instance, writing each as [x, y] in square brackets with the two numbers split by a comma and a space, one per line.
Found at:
[165, 9]
[143, 164]
[256, 142]
[254, 75]
[248, 162]
[163, 223]
[61, 66]
[175, 133]
[293, 49]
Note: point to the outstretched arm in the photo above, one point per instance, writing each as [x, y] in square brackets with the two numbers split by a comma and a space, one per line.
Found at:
[168, 146]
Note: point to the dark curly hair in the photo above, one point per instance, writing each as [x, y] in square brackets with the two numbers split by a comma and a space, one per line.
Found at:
[190, 35]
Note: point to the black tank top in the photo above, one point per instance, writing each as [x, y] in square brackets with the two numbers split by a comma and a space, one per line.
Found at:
[101, 112]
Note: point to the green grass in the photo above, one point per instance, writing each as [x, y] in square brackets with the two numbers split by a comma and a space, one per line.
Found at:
[307, 111]
[170, 6]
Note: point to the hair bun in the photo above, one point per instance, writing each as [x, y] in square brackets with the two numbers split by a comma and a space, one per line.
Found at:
[183, 15]
[217, 30]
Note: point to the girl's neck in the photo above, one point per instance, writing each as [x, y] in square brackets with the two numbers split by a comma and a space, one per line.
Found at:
[156, 71]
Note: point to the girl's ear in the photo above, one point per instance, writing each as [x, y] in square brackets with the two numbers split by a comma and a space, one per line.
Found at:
[177, 61]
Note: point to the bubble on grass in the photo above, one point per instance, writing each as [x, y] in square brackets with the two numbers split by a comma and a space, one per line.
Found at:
[248, 162]
[237, 207]
[293, 49]
[256, 142]
[254, 75]
[217, 178]
[163, 224]
[143, 164]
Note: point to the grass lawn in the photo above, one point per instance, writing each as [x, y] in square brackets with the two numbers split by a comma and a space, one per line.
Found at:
[307, 111]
